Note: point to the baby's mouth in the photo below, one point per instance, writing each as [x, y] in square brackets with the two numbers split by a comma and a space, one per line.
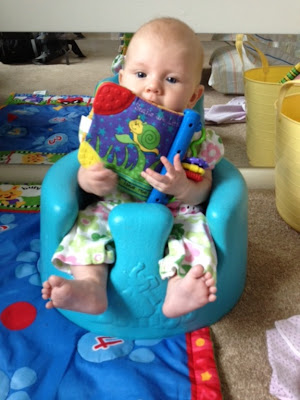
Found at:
[153, 100]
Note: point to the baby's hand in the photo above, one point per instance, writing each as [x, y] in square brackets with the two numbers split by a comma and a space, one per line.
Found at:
[174, 182]
[97, 179]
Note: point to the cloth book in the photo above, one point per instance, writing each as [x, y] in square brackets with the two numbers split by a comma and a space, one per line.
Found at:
[129, 134]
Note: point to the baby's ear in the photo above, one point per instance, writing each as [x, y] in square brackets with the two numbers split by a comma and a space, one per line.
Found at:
[120, 76]
[196, 95]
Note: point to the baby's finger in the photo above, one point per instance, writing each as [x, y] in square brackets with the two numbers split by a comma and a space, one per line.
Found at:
[166, 163]
[151, 175]
[177, 163]
[96, 167]
[150, 180]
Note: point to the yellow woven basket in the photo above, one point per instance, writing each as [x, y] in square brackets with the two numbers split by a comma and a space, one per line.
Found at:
[261, 91]
[287, 155]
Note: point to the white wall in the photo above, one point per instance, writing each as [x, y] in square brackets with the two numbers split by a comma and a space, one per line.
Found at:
[204, 16]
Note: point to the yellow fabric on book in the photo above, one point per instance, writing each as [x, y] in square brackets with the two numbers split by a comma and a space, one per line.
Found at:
[87, 156]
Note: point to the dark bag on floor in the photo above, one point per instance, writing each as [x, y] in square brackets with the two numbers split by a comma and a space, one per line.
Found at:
[38, 48]
[16, 48]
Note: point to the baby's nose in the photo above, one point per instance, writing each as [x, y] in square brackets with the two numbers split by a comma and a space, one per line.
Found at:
[154, 87]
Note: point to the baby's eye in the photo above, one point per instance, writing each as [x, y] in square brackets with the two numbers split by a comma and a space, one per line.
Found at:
[141, 74]
[171, 79]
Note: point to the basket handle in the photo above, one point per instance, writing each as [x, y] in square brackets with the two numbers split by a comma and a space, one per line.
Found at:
[282, 93]
[239, 44]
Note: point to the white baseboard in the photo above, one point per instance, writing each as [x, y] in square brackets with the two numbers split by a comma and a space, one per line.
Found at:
[259, 178]
[23, 173]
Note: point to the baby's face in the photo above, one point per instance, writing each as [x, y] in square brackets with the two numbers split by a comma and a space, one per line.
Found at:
[163, 74]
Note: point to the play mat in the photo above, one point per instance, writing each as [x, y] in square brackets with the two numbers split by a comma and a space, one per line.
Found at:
[45, 356]
[37, 129]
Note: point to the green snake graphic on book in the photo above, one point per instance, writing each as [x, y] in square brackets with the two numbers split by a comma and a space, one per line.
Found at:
[129, 134]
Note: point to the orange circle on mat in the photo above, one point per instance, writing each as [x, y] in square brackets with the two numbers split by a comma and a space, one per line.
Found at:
[200, 342]
[18, 315]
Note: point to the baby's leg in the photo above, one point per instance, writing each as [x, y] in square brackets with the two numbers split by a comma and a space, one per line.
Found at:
[189, 293]
[86, 293]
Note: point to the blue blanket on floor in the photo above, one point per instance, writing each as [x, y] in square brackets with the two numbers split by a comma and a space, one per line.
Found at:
[46, 124]
[45, 356]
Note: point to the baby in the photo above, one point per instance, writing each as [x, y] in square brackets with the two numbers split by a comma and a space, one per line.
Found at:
[163, 65]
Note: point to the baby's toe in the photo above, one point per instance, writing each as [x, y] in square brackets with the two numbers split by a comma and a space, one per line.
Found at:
[46, 285]
[210, 282]
[212, 298]
[55, 281]
[197, 271]
[213, 289]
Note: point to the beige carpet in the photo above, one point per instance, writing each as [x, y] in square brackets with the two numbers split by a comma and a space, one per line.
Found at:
[271, 293]
[272, 289]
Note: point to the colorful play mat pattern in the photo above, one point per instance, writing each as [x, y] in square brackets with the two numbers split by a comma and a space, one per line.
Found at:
[45, 356]
[40, 129]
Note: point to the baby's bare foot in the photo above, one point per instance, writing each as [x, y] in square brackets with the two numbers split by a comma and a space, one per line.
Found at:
[87, 296]
[189, 293]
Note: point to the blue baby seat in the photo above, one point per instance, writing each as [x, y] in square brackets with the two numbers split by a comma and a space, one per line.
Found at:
[140, 230]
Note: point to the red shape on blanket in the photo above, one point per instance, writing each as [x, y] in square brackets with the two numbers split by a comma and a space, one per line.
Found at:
[18, 315]
[112, 99]
[11, 117]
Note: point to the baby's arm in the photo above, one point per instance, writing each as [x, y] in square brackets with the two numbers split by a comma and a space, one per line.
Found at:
[97, 179]
[176, 183]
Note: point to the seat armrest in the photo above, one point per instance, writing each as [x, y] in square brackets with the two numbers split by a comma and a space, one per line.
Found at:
[227, 212]
[59, 203]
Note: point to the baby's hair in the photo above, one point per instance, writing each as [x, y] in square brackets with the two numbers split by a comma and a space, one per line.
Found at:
[168, 28]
